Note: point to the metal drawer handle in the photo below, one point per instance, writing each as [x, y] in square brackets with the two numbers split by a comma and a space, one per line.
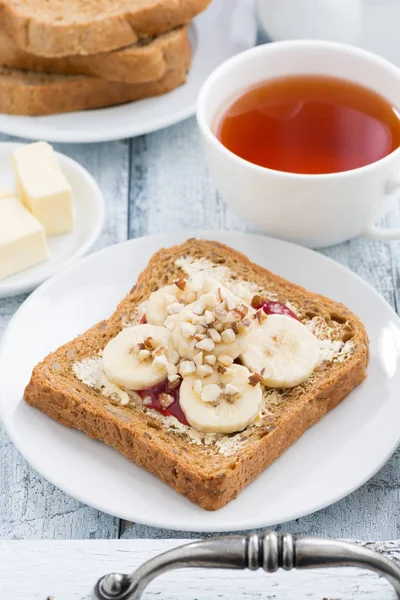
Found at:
[268, 551]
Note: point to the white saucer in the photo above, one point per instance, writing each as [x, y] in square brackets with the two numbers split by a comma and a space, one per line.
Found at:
[89, 220]
[331, 460]
[226, 28]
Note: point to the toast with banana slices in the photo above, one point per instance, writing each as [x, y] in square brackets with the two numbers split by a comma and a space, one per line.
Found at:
[208, 370]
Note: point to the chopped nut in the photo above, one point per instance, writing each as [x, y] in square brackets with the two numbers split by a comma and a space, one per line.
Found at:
[124, 401]
[148, 343]
[174, 357]
[233, 316]
[166, 400]
[210, 359]
[210, 392]
[144, 354]
[221, 311]
[160, 362]
[235, 327]
[207, 345]
[159, 350]
[187, 367]
[228, 336]
[214, 335]
[172, 369]
[201, 328]
[181, 282]
[225, 360]
[210, 300]
[199, 308]
[174, 308]
[194, 319]
[221, 369]
[242, 310]
[231, 390]
[256, 301]
[204, 371]
[254, 379]
[220, 295]
[245, 322]
[198, 359]
[209, 317]
[197, 386]
[140, 346]
[200, 336]
[231, 302]
[218, 326]
[174, 381]
[188, 329]
[170, 321]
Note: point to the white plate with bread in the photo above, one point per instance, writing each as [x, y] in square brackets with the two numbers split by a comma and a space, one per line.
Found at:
[309, 414]
[102, 76]
[51, 213]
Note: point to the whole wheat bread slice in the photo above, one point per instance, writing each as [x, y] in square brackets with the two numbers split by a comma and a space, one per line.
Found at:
[146, 60]
[32, 94]
[204, 473]
[59, 28]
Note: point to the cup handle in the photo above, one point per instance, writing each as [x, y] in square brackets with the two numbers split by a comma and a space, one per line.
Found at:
[378, 233]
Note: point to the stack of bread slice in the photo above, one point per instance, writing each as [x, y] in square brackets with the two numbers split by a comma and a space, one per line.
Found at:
[66, 55]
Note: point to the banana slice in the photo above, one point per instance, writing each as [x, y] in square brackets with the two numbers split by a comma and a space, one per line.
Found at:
[284, 348]
[166, 300]
[191, 326]
[156, 311]
[220, 403]
[137, 357]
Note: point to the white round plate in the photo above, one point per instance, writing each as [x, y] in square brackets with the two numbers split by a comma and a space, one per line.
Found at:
[226, 28]
[331, 460]
[89, 220]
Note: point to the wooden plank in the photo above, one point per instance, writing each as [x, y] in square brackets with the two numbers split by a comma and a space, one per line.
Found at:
[373, 261]
[30, 507]
[171, 189]
[69, 570]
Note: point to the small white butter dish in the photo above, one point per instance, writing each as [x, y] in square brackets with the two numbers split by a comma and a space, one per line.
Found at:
[66, 248]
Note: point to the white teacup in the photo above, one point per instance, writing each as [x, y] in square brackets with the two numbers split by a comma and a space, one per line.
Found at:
[313, 210]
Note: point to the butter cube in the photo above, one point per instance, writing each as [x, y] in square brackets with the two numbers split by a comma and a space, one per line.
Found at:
[22, 238]
[43, 188]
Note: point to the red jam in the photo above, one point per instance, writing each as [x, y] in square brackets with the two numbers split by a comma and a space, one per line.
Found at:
[276, 308]
[151, 397]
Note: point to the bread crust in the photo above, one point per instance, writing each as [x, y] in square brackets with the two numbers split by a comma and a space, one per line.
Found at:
[138, 63]
[207, 478]
[34, 94]
[53, 29]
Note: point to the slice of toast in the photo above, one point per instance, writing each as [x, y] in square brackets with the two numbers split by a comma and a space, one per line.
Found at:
[209, 471]
[55, 28]
[146, 60]
[33, 94]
